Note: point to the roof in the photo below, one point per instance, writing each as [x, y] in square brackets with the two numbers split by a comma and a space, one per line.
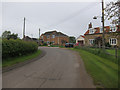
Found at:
[55, 33]
[81, 36]
[87, 32]
[107, 29]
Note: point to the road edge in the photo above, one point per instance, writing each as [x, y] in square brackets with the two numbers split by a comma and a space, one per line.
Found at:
[6, 69]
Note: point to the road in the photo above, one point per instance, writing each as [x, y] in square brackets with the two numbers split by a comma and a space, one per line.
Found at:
[59, 68]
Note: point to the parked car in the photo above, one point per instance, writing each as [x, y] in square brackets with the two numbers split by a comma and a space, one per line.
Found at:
[69, 45]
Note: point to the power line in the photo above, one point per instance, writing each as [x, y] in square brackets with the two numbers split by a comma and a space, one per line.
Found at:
[76, 14]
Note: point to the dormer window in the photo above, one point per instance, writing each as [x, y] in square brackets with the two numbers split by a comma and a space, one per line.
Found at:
[92, 31]
[101, 30]
[113, 28]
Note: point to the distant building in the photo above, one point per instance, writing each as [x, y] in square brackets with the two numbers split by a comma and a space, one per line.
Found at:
[27, 38]
[80, 40]
[112, 35]
[54, 38]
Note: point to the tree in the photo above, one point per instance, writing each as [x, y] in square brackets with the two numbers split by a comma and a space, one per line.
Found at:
[98, 41]
[112, 12]
[13, 36]
[72, 39]
[8, 35]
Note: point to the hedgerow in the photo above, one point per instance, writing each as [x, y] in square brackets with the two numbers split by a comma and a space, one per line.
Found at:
[14, 48]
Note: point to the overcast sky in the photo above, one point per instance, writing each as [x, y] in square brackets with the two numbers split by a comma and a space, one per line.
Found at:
[71, 18]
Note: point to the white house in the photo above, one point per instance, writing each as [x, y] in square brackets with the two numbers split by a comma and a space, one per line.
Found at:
[80, 40]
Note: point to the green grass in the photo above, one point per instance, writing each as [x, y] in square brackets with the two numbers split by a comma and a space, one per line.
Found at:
[103, 71]
[15, 60]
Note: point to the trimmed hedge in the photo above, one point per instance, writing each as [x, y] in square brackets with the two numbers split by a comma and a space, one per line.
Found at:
[13, 48]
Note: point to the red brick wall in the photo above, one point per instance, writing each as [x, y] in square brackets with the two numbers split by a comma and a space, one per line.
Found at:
[57, 40]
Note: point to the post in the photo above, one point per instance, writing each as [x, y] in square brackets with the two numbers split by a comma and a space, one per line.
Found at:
[24, 28]
[58, 37]
[39, 37]
[119, 12]
[103, 35]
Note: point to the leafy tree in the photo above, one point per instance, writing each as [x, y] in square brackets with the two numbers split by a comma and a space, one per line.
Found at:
[6, 34]
[72, 39]
[12, 36]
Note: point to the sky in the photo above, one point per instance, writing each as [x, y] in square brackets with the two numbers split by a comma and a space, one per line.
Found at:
[71, 18]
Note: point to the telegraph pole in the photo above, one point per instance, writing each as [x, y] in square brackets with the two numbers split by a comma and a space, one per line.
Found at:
[24, 28]
[103, 35]
[39, 36]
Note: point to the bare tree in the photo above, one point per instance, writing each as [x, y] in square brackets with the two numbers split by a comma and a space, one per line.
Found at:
[112, 12]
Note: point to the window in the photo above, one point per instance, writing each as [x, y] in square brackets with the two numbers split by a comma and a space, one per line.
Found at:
[91, 31]
[53, 42]
[113, 41]
[91, 41]
[101, 30]
[53, 36]
[48, 36]
[48, 42]
[113, 28]
[42, 37]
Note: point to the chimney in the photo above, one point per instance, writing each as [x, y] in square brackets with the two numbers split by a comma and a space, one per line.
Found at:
[90, 25]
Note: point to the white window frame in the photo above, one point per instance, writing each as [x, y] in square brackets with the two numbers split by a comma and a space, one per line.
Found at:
[91, 41]
[53, 36]
[113, 28]
[101, 30]
[111, 42]
[92, 31]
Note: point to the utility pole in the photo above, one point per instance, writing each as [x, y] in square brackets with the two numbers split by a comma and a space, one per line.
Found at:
[24, 28]
[103, 35]
[119, 12]
[59, 38]
[39, 36]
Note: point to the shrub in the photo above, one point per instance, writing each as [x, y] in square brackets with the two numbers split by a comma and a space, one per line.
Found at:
[13, 48]
[44, 44]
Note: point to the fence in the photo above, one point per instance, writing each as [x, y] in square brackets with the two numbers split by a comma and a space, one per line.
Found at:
[110, 53]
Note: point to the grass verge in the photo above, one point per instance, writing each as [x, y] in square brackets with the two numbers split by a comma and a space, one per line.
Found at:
[14, 60]
[103, 71]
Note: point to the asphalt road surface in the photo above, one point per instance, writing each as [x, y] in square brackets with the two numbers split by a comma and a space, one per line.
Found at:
[59, 68]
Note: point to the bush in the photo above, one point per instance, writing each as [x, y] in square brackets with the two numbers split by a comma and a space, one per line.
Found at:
[44, 44]
[13, 48]
[107, 44]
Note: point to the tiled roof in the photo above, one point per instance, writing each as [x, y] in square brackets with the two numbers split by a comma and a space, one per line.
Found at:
[87, 32]
[55, 33]
[82, 36]
[107, 29]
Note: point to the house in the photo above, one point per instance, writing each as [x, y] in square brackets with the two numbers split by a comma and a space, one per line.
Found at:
[80, 40]
[54, 38]
[94, 35]
[27, 38]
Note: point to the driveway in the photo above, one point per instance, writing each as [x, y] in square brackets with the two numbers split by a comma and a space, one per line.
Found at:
[59, 68]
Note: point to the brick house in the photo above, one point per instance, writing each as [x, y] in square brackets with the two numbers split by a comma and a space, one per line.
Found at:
[54, 38]
[80, 40]
[112, 35]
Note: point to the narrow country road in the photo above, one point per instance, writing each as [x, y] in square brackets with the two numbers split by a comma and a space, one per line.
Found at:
[59, 68]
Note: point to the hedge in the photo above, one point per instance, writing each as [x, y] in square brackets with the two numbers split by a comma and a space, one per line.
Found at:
[13, 48]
